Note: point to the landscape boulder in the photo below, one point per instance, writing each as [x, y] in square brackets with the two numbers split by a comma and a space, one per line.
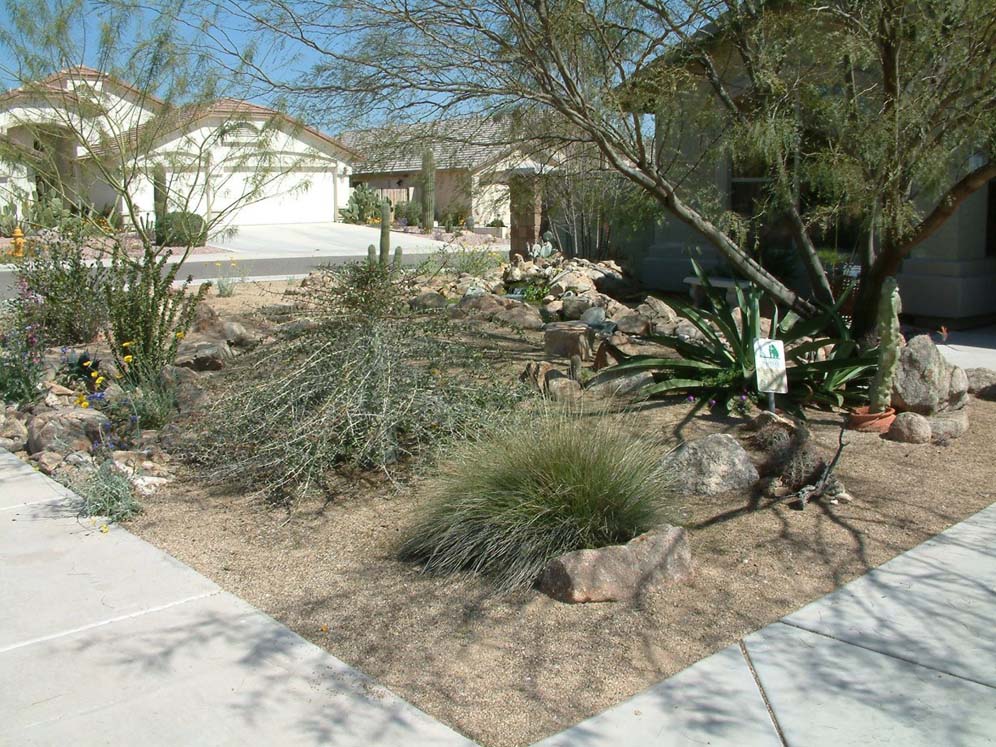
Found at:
[633, 324]
[925, 382]
[483, 305]
[566, 339]
[619, 572]
[571, 281]
[428, 301]
[910, 428]
[574, 306]
[13, 431]
[561, 388]
[204, 355]
[66, 430]
[948, 425]
[520, 316]
[594, 317]
[711, 465]
[982, 382]
[619, 385]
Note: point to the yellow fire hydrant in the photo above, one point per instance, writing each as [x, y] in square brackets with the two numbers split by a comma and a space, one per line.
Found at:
[18, 237]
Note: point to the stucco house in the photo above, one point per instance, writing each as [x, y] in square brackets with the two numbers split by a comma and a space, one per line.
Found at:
[476, 161]
[97, 142]
[951, 276]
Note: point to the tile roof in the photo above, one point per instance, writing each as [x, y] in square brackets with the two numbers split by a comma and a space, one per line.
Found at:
[467, 142]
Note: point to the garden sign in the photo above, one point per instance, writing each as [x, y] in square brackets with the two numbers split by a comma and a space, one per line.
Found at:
[769, 363]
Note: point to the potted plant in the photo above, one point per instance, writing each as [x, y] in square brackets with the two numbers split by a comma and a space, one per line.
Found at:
[878, 415]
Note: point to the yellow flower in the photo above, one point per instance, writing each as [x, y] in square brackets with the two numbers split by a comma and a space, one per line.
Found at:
[84, 404]
[126, 344]
[104, 529]
[87, 364]
[94, 374]
[128, 358]
[100, 380]
[180, 335]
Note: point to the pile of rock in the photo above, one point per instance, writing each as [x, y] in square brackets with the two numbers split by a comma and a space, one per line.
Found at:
[929, 394]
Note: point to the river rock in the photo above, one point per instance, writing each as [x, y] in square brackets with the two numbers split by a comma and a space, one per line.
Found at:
[982, 382]
[948, 425]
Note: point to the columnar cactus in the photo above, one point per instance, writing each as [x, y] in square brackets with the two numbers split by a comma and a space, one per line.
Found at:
[159, 200]
[372, 255]
[428, 181]
[385, 232]
[888, 346]
[397, 259]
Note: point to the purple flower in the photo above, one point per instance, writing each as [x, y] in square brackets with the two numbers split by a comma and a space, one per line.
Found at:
[712, 403]
[691, 398]
[743, 397]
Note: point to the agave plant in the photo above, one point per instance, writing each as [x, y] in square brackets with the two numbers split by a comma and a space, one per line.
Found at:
[719, 368]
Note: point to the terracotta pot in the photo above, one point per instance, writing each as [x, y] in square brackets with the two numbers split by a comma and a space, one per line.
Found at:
[870, 422]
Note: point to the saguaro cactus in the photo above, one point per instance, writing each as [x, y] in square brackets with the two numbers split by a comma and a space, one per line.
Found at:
[385, 232]
[428, 181]
[159, 201]
[880, 393]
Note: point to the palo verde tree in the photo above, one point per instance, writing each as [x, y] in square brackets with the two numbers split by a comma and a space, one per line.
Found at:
[878, 112]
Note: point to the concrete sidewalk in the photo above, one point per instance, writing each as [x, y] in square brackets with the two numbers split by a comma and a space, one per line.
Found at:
[104, 639]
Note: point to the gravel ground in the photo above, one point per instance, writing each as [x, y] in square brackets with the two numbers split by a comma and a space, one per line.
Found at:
[509, 670]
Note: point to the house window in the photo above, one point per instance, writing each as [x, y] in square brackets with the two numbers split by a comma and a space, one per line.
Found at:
[748, 182]
[239, 134]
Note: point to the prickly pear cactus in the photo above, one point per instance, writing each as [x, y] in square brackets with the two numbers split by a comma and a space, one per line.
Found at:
[888, 346]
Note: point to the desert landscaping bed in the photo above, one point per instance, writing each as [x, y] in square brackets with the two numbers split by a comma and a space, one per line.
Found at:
[510, 669]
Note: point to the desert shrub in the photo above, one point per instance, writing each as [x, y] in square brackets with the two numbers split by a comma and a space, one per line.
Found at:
[354, 393]
[61, 288]
[463, 259]
[408, 213]
[151, 405]
[21, 367]
[364, 204]
[107, 492]
[364, 289]
[508, 503]
[147, 316]
[181, 229]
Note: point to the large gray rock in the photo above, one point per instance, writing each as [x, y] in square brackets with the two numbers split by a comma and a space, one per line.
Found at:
[710, 465]
[925, 382]
[13, 432]
[520, 316]
[204, 355]
[982, 382]
[945, 426]
[657, 311]
[910, 428]
[66, 431]
[618, 572]
[594, 316]
[574, 306]
[633, 324]
[483, 305]
[566, 339]
[561, 388]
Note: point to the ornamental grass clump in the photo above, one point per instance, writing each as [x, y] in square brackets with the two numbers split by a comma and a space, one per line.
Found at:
[506, 505]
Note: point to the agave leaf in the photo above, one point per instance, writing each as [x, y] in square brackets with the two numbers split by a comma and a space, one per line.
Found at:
[672, 385]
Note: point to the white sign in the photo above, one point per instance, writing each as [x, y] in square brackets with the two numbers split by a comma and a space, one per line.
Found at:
[769, 362]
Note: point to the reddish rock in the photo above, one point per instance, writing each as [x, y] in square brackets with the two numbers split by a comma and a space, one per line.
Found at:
[618, 572]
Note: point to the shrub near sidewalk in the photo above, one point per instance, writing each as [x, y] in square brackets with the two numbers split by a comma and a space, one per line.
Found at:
[370, 388]
[507, 504]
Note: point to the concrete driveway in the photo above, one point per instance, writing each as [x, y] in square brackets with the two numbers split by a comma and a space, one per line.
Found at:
[317, 240]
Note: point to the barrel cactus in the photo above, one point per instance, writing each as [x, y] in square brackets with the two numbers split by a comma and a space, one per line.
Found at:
[880, 393]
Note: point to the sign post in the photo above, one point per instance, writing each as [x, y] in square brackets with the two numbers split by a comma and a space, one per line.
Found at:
[769, 365]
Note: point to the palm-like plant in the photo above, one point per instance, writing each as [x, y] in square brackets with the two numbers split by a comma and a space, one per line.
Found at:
[719, 368]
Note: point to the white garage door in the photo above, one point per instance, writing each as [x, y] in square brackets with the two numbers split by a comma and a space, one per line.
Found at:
[306, 198]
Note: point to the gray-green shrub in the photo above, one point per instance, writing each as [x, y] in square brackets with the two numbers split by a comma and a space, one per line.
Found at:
[505, 505]
[107, 492]
[181, 229]
[357, 392]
